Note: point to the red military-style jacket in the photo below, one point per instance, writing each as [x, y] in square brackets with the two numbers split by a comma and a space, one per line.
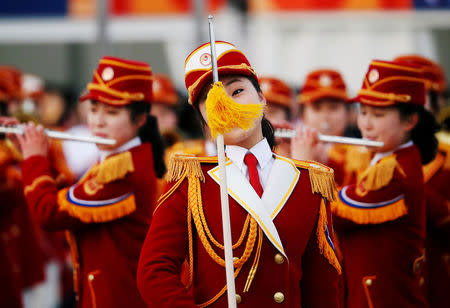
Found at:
[437, 192]
[22, 257]
[380, 222]
[282, 236]
[107, 215]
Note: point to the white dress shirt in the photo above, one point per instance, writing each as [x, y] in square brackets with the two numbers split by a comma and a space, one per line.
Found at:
[263, 154]
[379, 155]
[136, 141]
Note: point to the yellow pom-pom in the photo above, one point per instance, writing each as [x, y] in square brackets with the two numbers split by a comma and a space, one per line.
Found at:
[224, 113]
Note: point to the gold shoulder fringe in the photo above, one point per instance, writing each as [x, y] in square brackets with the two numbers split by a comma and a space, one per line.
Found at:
[321, 178]
[325, 248]
[113, 168]
[181, 165]
[370, 215]
[96, 214]
[378, 175]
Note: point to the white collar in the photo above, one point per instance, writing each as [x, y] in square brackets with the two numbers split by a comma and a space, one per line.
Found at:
[136, 141]
[380, 155]
[261, 150]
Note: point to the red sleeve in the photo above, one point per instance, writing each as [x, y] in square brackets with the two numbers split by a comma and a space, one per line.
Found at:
[41, 194]
[320, 283]
[163, 253]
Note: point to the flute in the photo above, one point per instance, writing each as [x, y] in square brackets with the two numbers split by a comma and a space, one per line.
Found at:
[290, 133]
[60, 135]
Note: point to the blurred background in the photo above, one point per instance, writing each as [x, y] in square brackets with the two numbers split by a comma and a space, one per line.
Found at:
[62, 40]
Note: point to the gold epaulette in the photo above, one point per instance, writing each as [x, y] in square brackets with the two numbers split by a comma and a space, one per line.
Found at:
[184, 165]
[112, 168]
[181, 166]
[378, 175]
[320, 176]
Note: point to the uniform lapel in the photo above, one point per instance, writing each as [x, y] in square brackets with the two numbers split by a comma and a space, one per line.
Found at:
[282, 180]
[243, 193]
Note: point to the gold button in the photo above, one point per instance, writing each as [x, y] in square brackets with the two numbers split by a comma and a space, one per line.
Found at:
[278, 297]
[421, 281]
[238, 299]
[279, 259]
[235, 259]
[90, 277]
[369, 282]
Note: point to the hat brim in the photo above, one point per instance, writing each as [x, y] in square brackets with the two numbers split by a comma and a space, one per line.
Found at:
[314, 97]
[207, 77]
[103, 99]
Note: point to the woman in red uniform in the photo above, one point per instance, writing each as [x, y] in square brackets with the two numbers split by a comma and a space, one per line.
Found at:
[283, 254]
[108, 212]
[381, 218]
[436, 178]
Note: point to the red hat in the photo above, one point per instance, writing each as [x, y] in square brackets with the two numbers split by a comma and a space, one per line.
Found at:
[164, 91]
[119, 82]
[10, 84]
[389, 83]
[198, 69]
[324, 83]
[276, 91]
[432, 71]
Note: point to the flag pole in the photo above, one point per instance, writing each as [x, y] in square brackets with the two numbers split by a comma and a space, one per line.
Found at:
[226, 227]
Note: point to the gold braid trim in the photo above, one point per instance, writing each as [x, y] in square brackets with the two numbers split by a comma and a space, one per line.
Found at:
[38, 181]
[96, 214]
[180, 167]
[378, 175]
[195, 204]
[325, 247]
[112, 168]
[375, 215]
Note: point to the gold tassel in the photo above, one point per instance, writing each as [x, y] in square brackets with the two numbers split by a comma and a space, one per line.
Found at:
[96, 214]
[181, 165]
[378, 176]
[324, 247]
[322, 181]
[370, 215]
[224, 113]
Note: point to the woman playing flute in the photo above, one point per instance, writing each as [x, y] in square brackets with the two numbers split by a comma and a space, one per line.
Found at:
[107, 213]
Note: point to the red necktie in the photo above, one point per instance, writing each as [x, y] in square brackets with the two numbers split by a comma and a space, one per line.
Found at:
[251, 162]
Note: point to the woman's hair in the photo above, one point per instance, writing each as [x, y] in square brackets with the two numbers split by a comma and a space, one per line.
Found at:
[267, 129]
[423, 134]
[149, 133]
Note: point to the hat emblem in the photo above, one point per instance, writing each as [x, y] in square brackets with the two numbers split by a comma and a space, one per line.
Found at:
[373, 75]
[205, 59]
[107, 74]
[325, 80]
